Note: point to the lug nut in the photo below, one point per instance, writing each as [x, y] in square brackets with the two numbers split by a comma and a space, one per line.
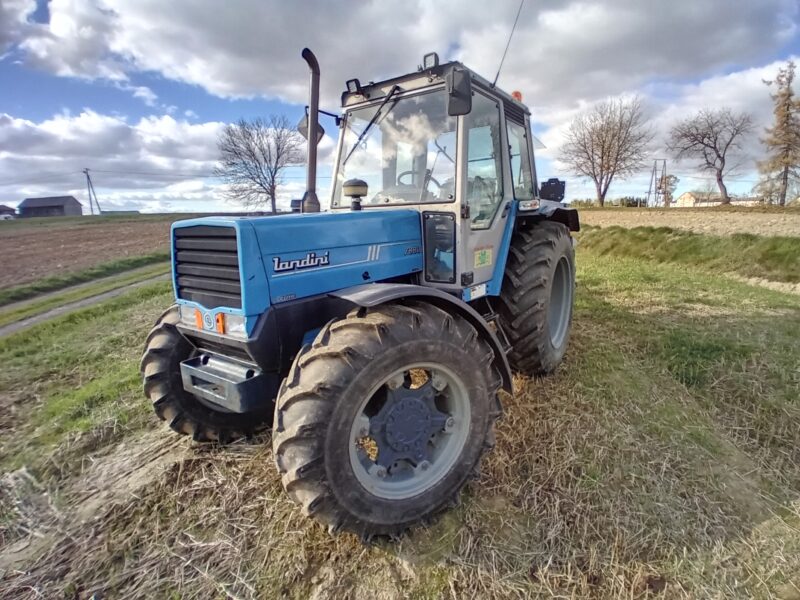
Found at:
[424, 465]
[449, 424]
[380, 472]
[363, 432]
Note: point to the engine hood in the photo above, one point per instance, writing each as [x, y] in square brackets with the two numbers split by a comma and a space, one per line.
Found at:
[288, 257]
[308, 254]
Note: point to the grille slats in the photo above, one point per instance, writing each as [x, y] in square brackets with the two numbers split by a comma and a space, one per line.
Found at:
[201, 270]
[210, 284]
[207, 266]
[208, 258]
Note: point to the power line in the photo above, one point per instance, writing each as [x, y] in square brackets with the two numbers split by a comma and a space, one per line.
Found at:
[42, 179]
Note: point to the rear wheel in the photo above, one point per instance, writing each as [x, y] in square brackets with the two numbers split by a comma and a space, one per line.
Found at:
[383, 419]
[165, 349]
[536, 299]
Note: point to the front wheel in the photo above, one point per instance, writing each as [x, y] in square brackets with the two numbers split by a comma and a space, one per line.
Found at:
[383, 419]
[165, 349]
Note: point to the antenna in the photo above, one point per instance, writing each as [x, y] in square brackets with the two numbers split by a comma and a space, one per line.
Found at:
[508, 43]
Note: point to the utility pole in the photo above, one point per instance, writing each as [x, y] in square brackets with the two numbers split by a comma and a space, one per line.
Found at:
[91, 192]
[658, 182]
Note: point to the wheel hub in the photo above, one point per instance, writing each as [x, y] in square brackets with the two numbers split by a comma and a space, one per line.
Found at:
[404, 425]
[407, 423]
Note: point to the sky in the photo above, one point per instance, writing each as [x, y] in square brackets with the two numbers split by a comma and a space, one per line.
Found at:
[138, 90]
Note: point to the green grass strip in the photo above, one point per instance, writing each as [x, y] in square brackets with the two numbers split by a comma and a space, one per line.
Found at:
[57, 282]
[38, 306]
[774, 258]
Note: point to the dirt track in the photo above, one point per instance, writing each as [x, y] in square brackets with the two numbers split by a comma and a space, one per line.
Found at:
[699, 221]
[30, 254]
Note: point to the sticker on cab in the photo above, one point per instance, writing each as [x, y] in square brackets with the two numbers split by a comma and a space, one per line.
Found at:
[483, 257]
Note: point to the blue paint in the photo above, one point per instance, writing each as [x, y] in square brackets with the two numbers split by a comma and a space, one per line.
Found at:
[495, 283]
[357, 247]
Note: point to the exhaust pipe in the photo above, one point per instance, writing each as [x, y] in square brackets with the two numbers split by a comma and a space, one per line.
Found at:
[310, 202]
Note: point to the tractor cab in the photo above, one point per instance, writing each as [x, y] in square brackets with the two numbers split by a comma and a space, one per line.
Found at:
[446, 142]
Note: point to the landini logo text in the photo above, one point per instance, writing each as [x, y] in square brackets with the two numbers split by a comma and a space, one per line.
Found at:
[311, 260]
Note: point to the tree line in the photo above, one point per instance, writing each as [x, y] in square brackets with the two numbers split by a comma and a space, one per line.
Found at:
[612, 140]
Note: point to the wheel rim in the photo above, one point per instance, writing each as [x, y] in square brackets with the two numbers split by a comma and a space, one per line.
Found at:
[560, 302]
[410, 431]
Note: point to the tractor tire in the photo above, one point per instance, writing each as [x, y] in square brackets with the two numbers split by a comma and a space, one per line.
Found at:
[165, 349]
[351, 403]
[536, 298]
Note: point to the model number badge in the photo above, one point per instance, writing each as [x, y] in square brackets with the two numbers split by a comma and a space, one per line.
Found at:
[208, 321]
[311, 260]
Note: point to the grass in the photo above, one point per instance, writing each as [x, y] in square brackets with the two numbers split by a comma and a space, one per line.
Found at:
[773, 258]
[662, 460]
[40, 305]
[765, 208]
[73, 374]
[58, 282]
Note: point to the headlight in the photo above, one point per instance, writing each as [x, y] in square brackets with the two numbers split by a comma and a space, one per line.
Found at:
[222, 323]
[234, 325]
[189, 316]
[528, 204]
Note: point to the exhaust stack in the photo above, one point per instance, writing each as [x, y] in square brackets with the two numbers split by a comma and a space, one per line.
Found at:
[310, 202]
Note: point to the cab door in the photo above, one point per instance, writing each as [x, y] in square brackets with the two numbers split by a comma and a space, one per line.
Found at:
[486, 198]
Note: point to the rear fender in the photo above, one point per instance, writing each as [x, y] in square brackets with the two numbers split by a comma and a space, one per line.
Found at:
[375, 294]
[553, 211]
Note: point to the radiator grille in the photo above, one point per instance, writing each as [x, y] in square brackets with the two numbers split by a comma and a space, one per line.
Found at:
[207, 266]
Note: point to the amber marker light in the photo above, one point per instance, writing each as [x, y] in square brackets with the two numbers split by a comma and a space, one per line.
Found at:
[220, 323]
[198, 318]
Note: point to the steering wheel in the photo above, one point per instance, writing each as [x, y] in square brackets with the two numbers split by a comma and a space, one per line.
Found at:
[404, 173]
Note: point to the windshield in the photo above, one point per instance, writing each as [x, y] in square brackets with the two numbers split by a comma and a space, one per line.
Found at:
[407, 155]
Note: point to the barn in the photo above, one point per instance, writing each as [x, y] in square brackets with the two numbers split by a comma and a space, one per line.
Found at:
[52, 206]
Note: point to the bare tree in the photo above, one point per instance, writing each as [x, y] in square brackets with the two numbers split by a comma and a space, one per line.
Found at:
[607, 142]
[711, 136]
[783, 138]
[253, 156]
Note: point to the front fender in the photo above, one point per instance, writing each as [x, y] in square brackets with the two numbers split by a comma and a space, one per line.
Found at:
[374, 294]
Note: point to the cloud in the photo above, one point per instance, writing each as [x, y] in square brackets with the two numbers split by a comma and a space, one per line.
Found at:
[14, 21]
[156, 161]
[76, 42]
[562, 52]
[149, 154]
[565, 55]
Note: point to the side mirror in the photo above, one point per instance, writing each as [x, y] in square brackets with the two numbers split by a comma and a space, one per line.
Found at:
[459, 92]
[302, 128]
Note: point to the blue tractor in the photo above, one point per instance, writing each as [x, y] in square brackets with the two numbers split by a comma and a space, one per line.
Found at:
[375, 336]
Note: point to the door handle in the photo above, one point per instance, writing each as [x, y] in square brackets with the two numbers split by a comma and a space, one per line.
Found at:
[506, 208]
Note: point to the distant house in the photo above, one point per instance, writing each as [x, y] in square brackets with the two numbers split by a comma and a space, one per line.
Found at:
[53, 206]
[701, 199]
[7, 210]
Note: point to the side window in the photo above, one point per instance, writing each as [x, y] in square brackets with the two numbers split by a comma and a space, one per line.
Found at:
[484, 162]
[520, 161]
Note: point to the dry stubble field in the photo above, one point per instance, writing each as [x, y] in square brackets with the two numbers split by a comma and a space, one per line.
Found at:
[662, 460]
[712, 221]
[37, 249]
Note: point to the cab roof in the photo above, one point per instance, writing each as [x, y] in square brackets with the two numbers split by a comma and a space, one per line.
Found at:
[424, 78]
